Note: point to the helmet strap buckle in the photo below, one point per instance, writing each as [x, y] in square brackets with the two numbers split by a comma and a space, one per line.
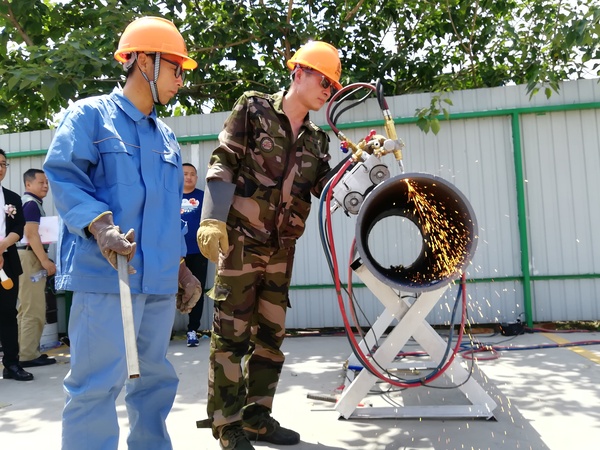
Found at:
[130, 61]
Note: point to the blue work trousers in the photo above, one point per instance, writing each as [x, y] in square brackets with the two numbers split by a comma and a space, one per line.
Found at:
[99, 372]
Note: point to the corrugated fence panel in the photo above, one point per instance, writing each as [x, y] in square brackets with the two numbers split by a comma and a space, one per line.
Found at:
[562, 164]
[476, 156]
[21, 143]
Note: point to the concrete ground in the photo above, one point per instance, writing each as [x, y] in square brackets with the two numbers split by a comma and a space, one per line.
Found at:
[548, 398]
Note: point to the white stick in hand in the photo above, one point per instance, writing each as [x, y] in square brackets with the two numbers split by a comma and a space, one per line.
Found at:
[133, 365]
[7, 283]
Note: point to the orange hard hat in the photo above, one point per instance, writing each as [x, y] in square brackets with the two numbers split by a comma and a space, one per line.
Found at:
[320, 56]
[153, 34]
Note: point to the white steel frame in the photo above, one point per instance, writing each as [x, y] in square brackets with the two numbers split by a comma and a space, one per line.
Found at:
[411, 323]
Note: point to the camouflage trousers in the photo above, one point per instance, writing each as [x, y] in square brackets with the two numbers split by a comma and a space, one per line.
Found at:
[250, 295]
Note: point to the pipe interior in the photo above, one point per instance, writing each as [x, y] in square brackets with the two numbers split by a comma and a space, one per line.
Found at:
[445, 225]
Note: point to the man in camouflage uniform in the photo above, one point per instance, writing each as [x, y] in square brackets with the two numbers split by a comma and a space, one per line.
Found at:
[270, 159]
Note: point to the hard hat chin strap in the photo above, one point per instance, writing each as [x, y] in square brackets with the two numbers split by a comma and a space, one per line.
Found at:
[152, 83]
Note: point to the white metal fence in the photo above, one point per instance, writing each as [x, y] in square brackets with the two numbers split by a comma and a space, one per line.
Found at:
[530, 169]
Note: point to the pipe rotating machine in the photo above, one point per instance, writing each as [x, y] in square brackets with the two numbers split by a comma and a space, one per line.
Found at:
[448, 237]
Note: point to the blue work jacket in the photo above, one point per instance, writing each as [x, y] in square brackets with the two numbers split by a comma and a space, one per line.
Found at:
[106, 155]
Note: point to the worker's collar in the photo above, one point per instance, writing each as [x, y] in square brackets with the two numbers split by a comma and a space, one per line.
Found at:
[34, 196]
[278, 102]
[278, 105]
[129, 108]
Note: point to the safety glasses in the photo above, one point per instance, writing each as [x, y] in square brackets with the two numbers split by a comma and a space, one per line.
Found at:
[178, 68]
[179, 72]
[325, 82]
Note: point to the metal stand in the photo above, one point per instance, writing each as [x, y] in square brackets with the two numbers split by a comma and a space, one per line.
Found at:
[411, 323]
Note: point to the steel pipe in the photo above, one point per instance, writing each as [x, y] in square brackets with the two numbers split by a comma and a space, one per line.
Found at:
[444, 218]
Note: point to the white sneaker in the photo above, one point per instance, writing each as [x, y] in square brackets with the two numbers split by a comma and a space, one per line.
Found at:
[192, 339]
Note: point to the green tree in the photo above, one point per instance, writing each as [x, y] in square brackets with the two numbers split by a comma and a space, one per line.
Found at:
[52, 53]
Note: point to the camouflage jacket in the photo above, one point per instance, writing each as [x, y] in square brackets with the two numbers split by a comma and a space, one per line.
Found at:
[273, 175]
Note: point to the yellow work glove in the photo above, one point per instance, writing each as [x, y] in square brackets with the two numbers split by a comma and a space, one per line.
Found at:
[189, 289]
[111, 241]
[211, 235]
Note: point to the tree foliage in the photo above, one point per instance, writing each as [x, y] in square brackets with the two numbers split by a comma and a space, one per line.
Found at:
[54, 52]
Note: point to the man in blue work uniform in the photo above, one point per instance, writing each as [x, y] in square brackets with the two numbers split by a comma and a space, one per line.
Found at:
[114, 165]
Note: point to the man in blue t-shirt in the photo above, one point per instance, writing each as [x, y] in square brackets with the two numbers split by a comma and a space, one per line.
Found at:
[191, 206]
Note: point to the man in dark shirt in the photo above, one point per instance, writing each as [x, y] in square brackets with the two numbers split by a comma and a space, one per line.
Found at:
[34, 258]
